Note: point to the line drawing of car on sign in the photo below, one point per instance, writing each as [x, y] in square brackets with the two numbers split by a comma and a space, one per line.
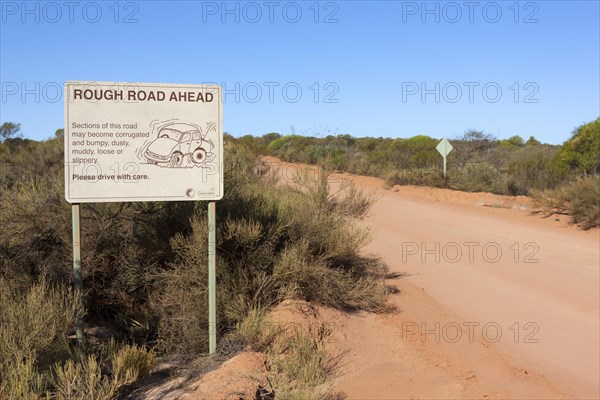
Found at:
[176, 141]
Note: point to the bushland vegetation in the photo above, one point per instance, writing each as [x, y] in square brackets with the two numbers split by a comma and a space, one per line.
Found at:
[145, 275]
[557, 175]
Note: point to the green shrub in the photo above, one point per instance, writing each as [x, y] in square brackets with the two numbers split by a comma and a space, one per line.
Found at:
[581, 153]
[298, 275]
[274, 242]
[144, 264]
[478, 163]
[124, 245]
[512, 142]
[37, 359]
[21, 380]
[579, 199]
[34, 325]
[84, 379]
[256, 332]
[36, 230]
[302, 369]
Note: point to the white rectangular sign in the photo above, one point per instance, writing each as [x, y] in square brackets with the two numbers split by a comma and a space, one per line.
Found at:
[142, 142]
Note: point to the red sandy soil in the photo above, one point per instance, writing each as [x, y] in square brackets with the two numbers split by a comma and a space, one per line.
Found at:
[533, 312]
[494, 302]
[235, 378]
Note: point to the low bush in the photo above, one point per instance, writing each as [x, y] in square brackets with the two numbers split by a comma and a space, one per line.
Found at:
[302, 369]
[274, 242]
[255, 331]
[35, 324]
[478, 163]
[144, 268]
[579, 199]
[86, 378]
[581, 153]
[38, 360]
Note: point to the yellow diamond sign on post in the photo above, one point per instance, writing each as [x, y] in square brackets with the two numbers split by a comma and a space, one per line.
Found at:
[444, 148]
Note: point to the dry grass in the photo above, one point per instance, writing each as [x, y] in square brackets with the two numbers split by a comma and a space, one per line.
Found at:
[579, 199]
[144, 269]
[274, 243]
[37, 359]
[298, 364]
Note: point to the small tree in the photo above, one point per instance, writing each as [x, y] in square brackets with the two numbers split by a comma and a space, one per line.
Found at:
[470, 144]
[532, 141]
[475, 135]
[267, 138]
[581, 153]
[512, 142]
[9, 130]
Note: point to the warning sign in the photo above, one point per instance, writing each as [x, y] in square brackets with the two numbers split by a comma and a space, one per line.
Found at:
[142, 142]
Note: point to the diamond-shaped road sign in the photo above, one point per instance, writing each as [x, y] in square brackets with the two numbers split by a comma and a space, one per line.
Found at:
[444, 147]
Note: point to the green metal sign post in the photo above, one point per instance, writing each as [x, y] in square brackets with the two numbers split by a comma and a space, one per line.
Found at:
[77, 278]
[212, 278]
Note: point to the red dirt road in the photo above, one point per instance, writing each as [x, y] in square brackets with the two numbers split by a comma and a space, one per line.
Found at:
[495, 303]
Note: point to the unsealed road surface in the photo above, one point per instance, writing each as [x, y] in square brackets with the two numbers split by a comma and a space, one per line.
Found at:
[494, 302]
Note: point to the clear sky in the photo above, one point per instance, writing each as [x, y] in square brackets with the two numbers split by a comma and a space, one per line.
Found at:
[366, 68]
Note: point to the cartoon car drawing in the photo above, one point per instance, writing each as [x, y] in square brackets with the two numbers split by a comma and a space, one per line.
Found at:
[175, 142]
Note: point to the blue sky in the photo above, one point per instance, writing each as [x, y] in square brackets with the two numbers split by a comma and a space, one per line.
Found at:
[377, 68]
